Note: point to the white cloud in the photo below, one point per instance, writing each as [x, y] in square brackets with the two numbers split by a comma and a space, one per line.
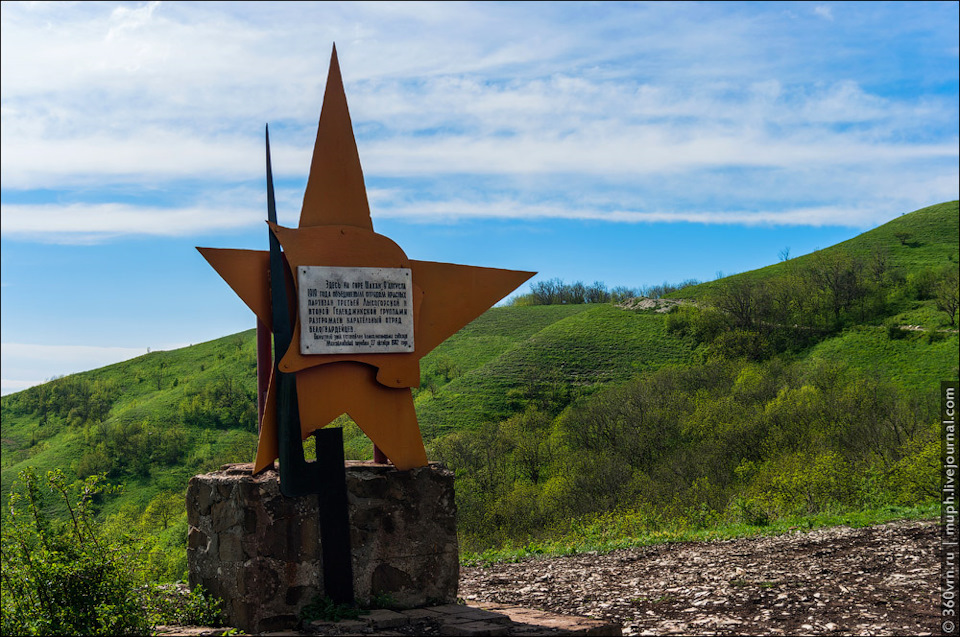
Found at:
[25, 365]
[93, 222]
[152, 96]
[564, 124]
[512, 209]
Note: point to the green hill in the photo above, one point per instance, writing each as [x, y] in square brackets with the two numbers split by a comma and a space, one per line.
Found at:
[921, 239]
[134, 419]
[914, 362]
[584, 347]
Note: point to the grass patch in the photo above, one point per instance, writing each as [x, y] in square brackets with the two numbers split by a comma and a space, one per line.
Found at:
[913, 361]
[594, 345]
[603, 534]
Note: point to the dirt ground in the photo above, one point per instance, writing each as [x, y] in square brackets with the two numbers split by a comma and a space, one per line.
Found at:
[881, 580]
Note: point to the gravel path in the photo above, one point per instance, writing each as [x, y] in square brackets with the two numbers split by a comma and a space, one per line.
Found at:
[880, 580]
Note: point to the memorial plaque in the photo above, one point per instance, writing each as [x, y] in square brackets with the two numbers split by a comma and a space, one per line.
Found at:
[355, 310]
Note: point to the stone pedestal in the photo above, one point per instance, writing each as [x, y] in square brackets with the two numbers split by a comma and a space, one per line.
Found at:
[260, 551]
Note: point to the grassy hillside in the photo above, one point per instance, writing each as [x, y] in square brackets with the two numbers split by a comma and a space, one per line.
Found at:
[489, 367]
[916, 361]
[146, 396]
[930, 240]
[589, 346]
[496, 331]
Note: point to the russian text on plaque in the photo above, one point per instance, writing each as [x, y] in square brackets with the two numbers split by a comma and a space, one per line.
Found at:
[355, 310]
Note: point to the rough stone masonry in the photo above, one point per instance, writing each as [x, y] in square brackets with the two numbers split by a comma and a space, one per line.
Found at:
[260, 551]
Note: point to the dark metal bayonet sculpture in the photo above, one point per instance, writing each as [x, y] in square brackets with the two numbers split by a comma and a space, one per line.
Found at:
[325, 476]
[295, 478]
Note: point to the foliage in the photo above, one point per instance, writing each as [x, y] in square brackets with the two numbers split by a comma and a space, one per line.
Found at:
[73, 399]
[66, 574]
[727, 439]
[157, 532]
[557, 292]
[325, 609]
[916, 476]
[221, 404]
[806, 301]
[142, 439]
[63, 577]
[128, 447]
[173, 605]
[946, 293]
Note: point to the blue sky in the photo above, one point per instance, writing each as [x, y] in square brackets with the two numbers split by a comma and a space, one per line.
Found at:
[630, 143]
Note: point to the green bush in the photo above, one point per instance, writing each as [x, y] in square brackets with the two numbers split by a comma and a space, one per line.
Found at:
[916, 477]
[60, 577]
[66, 574]
[894, 333]
[702, 325]
[805, 484]
[175, 605]
[221, 404]
[325, 609]
[749, 511]
[922, 283]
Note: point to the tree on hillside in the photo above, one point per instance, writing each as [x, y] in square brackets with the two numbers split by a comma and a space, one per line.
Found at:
[903, 237]
[597, 293]
[546, 292]
[159, 374]
[575, 293]
[840, 276]
[622, 293]
[879, 265]
[527, 433]
[163, 509]
[746, 301]
[947, 294]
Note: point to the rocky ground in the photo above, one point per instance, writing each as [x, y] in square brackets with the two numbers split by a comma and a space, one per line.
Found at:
[881, 580]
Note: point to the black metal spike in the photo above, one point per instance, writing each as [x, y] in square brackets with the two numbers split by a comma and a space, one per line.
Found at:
[298, 477]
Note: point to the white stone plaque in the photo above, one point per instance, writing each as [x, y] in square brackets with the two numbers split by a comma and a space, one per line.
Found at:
[355, 310]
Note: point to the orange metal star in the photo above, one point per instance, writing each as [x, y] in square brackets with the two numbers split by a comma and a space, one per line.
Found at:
[336, 230]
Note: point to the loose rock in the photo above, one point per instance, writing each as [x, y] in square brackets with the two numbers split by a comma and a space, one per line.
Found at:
[880, 580]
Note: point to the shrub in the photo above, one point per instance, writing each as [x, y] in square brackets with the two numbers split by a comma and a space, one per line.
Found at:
[61, 577]
[916, 477]
[894, 332]
[749, 511]
[69, 575]
[175, 605]
[325, 609]
[805, 484]
[221, 404]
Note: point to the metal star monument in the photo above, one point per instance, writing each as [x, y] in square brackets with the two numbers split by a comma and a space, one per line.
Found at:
[351, 315]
